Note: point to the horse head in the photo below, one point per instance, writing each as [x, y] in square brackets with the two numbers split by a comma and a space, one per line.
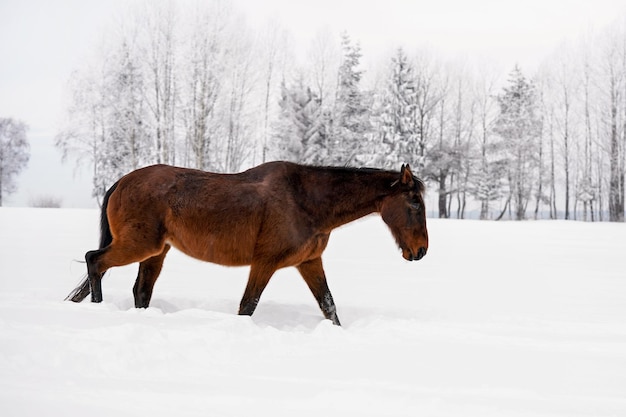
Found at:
[404, 213]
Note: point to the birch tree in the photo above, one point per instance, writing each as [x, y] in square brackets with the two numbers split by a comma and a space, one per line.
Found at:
[487, 177]
[159, 31]
[238, 112]
[200, 85]
[274, 52]
[429, 88]
[587, 192]
[614, 88]
[564, 98]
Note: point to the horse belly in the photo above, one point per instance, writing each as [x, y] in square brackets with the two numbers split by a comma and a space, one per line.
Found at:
[222, 250]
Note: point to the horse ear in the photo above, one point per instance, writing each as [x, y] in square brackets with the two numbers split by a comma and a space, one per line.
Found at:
[406, 175]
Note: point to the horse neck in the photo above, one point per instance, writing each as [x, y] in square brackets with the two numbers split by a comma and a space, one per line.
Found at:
[341, 196]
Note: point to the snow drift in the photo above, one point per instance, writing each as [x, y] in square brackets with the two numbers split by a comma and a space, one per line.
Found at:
[499, 319]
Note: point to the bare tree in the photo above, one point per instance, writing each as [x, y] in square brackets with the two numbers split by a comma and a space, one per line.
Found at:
[563, 84]
[159, 31]
[274, 50]
[613, 82]
[201, 83]
[464, 126]
[430, 90]
[105, 119]
[84, 134]
[241, 80]
[487, 175]
[587, 190]
[325, 59]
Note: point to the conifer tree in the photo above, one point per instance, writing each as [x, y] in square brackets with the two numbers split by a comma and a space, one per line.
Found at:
[351, 116]
[299, 131]
[396, 120]
[519, 127]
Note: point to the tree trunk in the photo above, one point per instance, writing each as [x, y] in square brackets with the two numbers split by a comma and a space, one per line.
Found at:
[506, 206]
[616, 181]
[443, 197]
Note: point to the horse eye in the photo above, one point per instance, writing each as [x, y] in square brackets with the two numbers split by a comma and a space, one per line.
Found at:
[414, 204]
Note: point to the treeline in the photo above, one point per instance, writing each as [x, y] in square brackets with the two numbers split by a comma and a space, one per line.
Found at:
[198, 87]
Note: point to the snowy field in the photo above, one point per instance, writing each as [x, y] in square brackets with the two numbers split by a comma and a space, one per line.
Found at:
[499, 319]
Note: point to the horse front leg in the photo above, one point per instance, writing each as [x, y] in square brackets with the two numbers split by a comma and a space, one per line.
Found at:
[260, 275]
[313, 273]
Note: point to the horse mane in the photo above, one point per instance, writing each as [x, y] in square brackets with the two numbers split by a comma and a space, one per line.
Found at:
[348, 170]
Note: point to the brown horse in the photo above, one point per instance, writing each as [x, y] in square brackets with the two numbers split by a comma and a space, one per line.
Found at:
[273, 216]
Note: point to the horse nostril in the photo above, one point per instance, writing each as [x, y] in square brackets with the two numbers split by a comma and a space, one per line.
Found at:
[420, 253]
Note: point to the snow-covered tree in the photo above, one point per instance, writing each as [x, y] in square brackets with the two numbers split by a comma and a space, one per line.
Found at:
[430, 89]
[325, 58]
[126, 145]
[159, 24]
[106, 119]
[241, 79]
[159, 91]
[14, 153]
[449, 154]
[613, 81]
[487, 176]
[350, 120]
[519, 127]
[274, 50]
[396, 119]
[84, 130]
[299, 132]
[200, 83]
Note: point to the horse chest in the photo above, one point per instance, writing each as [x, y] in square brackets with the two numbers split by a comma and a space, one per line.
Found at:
[317, 244]
[306, 249]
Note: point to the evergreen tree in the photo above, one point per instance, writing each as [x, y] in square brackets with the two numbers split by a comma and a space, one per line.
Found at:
[519, 127]
[487, 183]
[396, 120]
[299, 132]
[351, 116]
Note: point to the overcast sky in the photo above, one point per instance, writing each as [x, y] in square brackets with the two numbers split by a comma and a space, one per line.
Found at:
[42, 41]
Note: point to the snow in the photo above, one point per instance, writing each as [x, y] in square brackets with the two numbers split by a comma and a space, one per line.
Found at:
[499, 319]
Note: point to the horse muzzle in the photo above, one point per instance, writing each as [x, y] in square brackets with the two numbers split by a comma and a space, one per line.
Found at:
[409, 255]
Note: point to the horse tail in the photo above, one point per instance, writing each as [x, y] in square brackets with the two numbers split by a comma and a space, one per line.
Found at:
[79, 293]
[105, 229]
[83, 289]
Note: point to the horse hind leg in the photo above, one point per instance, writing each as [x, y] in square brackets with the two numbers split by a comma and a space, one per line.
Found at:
[118, 253]
[258, 279]
[149, 271]
[95, 273]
